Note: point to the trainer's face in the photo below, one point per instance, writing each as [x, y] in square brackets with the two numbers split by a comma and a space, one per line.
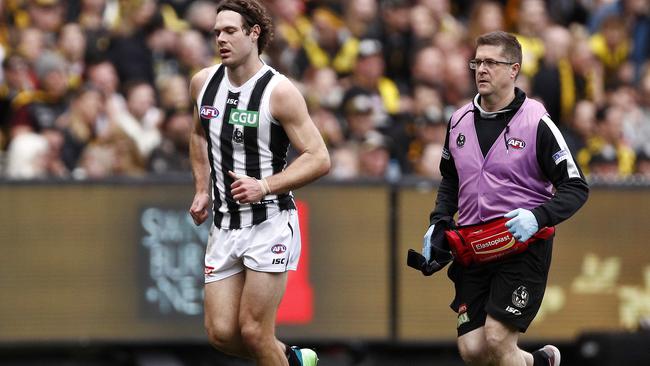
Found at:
[495, 78]
[233, 42]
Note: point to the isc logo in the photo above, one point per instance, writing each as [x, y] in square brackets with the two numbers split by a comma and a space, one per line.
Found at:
[278, 260]
[516, 143]
[243, 117]
[208, 112]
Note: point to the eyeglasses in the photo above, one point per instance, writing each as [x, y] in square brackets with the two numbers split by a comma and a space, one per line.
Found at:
[488, 62]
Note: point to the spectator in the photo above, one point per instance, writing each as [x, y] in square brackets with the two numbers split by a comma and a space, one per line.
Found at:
[38, 110]
[636, 103]
[72, 46]
[174, 93]
[531, 24]
[46, 16]
[103, 76]
[328, 44]
[79, 124]
[361, 17]
[397, 41]
[17, 79]
[554, 82]
[588, 72]
[485, 16]
[643, 162]
[374, 155]
[27, 157]
[358, 117]
[608, 147]
[580, 128]
[142, 118]
[611, 45]
[173, 153]
[369, 78]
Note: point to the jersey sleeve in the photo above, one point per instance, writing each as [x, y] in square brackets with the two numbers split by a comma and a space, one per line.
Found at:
[560, 168]
[447, 199]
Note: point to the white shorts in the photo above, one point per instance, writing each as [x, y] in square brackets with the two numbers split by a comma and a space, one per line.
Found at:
[271, 246]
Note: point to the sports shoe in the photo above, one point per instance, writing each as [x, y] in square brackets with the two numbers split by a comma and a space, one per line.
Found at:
[553, 354]
[306, 356]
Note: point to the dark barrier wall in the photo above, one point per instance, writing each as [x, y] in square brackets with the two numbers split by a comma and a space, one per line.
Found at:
[123, 262]
[600, 274]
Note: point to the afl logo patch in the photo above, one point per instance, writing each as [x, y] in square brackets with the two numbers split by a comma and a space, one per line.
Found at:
[516, 143]
[208, 112]
[460, 140]
[278, 249]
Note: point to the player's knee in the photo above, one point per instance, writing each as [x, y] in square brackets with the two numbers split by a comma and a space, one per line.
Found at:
[254, 336]
[221, 335]
[472, 352]
[497, 345]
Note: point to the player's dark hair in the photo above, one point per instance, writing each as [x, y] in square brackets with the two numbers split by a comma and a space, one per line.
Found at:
[510, 44]
[252, 12]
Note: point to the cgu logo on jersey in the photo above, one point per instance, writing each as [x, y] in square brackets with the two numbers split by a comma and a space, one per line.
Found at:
[208, 112]
[244, 118]
[516, 143]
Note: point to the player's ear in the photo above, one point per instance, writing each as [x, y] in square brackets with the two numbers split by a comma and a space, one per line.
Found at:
[255, 32]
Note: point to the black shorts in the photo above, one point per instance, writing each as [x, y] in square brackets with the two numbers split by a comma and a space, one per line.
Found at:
[510, 290]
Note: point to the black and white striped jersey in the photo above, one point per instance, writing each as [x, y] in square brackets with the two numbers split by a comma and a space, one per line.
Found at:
[243, 137]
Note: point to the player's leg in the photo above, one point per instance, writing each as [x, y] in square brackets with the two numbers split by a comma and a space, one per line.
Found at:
[472, 290]
[259, 304]
[516, 295]
[473, 348]
[222, 301]
[501, 341]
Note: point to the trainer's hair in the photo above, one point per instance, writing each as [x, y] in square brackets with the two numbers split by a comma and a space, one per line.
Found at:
[510, 44]
[252, 12]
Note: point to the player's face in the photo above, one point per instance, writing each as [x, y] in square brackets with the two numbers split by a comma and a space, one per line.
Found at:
[233, 43]
[493, 78]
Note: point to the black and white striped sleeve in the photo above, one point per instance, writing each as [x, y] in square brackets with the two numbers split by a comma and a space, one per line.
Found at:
[559, 166]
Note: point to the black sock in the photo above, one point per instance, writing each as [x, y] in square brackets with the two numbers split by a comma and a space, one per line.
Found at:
[540, 358]
[292, 357]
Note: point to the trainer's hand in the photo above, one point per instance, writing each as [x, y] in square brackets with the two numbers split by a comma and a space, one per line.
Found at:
[523, 224]
[199, 208]
[247, 189]
[426, 244]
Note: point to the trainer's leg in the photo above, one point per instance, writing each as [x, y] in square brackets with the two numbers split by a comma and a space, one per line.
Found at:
[259, 304]
[501, 343]
[222, 301]
[473, 348]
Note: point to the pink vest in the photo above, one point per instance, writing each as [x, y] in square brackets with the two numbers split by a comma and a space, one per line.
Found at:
[507, 178]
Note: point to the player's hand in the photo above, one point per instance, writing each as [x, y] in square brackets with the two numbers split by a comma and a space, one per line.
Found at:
[247, 189]
[523, 224]
[426, 244]
[199, 208]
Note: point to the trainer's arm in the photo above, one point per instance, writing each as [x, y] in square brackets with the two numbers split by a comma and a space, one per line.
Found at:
[199, 156]
[289, 108]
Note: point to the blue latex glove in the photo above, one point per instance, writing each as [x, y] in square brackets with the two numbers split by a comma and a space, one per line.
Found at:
[426, 244]
[523, 224]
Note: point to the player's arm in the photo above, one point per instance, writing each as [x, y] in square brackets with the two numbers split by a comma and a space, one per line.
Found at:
[447, 199]
[289, 108]
[199, 156]
[559, 166]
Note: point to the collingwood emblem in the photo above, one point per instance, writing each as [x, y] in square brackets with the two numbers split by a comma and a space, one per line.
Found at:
[460, 140]
[238, 135]
[520, 297]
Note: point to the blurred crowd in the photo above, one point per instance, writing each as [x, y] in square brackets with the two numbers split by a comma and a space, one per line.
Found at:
[99, 88]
